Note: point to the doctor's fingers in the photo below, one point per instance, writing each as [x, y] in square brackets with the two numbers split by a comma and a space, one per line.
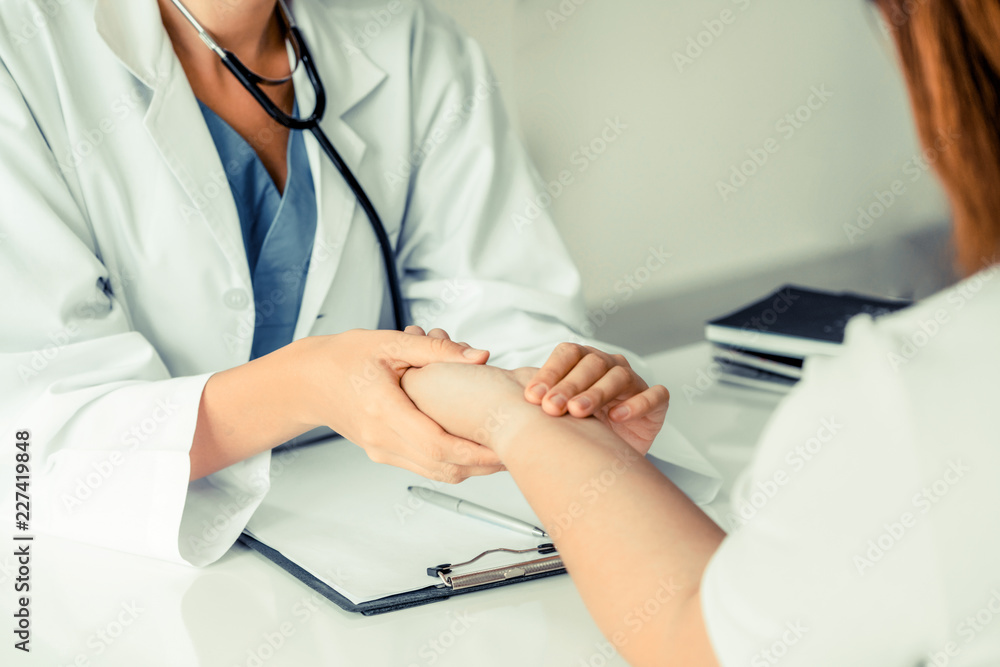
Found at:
[449, 474]
[414, 330]
[418, 351]
[443, 335]
[421, 456]
[410, 433]
[435, 449]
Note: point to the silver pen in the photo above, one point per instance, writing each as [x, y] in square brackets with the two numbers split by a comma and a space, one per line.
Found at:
[475, 511]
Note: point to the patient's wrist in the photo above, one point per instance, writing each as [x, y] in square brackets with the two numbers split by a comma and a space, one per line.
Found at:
[506, 422]
[531, 428]
[523, 425]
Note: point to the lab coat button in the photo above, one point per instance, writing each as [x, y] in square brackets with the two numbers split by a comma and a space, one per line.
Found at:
[236, 298]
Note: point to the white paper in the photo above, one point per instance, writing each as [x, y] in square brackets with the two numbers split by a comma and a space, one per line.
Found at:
[353, 524]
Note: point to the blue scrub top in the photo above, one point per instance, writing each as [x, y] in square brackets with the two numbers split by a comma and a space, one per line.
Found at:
[278, 230]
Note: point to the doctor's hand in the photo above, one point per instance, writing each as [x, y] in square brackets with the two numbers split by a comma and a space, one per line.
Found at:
[414, 330]
[353, 382]
[583, 381]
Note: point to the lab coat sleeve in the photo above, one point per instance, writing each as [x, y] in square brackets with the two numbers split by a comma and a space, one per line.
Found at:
[480, 258]
[110, 429]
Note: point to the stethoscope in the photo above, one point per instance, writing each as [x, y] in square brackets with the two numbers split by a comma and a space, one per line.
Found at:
[253, 82]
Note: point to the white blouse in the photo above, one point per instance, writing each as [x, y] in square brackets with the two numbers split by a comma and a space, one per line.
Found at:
[867, 529]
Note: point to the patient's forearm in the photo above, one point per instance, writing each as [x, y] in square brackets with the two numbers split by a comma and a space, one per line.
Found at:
[634, 544]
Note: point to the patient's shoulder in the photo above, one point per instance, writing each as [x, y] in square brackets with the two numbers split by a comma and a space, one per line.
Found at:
[951, 334]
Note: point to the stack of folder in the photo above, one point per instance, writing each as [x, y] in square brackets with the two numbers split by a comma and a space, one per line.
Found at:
[765, 344]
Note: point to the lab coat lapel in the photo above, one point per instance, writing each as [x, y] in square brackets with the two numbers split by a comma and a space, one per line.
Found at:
[133, 30]
[348, 79]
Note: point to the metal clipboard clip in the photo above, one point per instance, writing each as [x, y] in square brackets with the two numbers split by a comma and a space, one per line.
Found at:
[550, 563]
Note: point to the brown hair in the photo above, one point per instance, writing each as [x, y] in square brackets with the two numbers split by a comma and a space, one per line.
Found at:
[950, 53]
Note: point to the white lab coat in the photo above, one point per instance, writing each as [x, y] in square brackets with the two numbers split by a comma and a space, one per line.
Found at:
[125, 280]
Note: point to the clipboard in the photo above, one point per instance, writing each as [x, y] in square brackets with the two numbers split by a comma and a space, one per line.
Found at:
[459, 584]
[330, 507]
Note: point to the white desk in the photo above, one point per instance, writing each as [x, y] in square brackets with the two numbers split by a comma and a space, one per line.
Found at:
[97, 607]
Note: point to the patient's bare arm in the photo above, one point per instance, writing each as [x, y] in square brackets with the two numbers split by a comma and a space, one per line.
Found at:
[605, 506]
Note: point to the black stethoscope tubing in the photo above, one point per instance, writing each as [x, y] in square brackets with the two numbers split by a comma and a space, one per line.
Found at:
[252, 81]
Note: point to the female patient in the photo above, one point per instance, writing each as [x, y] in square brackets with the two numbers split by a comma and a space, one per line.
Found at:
[882, 549]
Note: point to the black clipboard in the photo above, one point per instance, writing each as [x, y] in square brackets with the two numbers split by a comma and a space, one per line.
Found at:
[318, 471]
[433, 593]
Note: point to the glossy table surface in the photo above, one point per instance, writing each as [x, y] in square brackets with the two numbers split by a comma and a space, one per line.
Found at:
[96, 607]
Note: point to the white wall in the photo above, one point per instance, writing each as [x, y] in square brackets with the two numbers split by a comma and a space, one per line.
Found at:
[657, 184]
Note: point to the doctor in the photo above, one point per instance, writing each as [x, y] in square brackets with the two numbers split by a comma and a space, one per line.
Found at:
[188, 284]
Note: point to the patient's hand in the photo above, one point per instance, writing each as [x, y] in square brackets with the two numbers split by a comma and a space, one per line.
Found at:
[486, 404]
